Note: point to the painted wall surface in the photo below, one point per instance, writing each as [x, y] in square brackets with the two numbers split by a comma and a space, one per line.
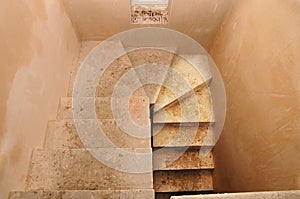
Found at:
[38, 47]
[98, 20]
[258, 53]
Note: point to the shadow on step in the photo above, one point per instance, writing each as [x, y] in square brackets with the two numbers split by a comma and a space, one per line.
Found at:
[168, 195]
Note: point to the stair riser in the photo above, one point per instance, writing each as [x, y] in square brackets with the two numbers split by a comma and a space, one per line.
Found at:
[182, 135]
[180, 181]
[166, 159]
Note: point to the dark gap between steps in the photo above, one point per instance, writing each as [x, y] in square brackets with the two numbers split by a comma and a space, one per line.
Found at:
[167, 195]
[151, 122]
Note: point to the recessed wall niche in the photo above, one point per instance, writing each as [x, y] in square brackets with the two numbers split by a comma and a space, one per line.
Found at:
[149, 12]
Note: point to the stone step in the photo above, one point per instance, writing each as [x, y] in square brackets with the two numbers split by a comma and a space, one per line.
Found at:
[62, 134]
[151, 66]
[181, 79]
[85, 48]
[183, 180]
[138, 108]
[178, 135]
[77, 169]
[293, 194]
[181, 159]
[110, 76]
[85, 194]
[109, 68]
[185, 111]
[113, 74]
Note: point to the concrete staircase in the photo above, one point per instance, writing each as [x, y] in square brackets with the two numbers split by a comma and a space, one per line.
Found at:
[65, 168]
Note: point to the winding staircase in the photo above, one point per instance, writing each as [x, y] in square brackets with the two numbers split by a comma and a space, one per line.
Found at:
[64, 168]
[178, 122]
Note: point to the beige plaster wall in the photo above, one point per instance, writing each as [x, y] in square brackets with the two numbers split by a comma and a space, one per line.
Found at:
[98, 20]
[38, 48]
[258, 53]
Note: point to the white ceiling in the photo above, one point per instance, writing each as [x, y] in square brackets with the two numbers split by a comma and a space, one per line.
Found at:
[100, 19]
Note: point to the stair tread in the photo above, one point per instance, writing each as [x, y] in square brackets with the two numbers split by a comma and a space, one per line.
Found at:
[179, 181]
[138, 106]
[112, 75]
[181, 79]
[145, 61]
[62, 134]
[185, 111]
[87, 194]
[59, 170]
[92, 68]
[85, 48]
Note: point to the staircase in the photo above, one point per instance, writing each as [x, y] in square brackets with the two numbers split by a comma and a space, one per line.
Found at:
[180, 143]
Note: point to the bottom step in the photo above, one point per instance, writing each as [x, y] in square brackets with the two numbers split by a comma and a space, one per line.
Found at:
[250, 195]
[99, 194]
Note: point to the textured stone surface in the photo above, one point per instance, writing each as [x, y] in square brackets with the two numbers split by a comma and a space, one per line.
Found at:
[147, 57]
[150, 56]
[189, 159]
[85, 48]
[62, 134]
[184, 180]
[176, 112]
[110, 76]
[251, 195]
[138, 106]
[84, 194]
[79, 170]
[174, 135]
[113, 74]
[182, 78]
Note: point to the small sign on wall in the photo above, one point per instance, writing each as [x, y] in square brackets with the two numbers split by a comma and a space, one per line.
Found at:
[149, 12]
